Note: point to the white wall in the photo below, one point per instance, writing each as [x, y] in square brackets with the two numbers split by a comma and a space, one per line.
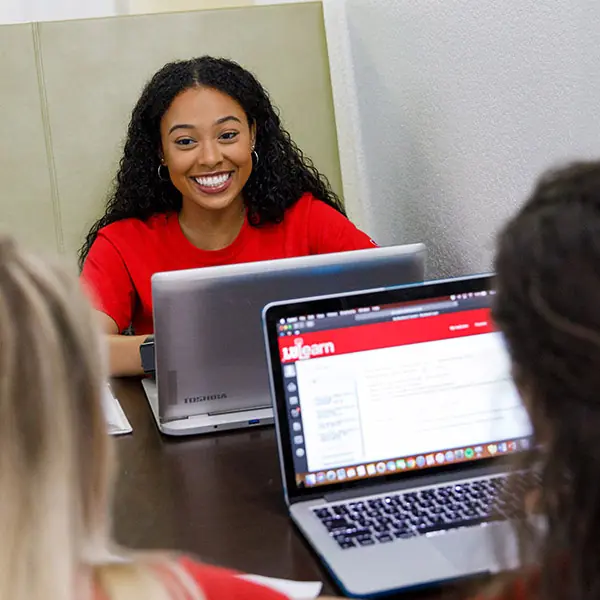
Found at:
[22, 11]
[447, 111]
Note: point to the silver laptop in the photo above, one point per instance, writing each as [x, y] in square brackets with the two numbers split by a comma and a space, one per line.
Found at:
[211, 372]
[395, 417]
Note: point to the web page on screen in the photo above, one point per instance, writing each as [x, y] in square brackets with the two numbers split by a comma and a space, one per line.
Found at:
[402, 388]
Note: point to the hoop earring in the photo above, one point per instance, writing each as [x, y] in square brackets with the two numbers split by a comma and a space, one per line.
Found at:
[159, 172]
[255, 154]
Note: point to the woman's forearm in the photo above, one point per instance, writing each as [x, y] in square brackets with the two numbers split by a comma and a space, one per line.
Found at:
[124, 355]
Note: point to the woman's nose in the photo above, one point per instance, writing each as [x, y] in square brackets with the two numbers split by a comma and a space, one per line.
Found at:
[211, 155]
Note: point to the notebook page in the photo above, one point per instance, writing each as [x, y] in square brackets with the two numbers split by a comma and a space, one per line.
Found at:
[294, 590]
[116, 420]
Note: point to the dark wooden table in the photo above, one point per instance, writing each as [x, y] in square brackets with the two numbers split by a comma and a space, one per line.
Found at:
[217, 497]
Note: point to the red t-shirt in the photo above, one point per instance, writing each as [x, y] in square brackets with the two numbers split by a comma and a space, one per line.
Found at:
[221, 584]
[213, 583]
[127, 253]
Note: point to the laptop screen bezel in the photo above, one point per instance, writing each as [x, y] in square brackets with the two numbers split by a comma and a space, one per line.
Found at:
[283, 310]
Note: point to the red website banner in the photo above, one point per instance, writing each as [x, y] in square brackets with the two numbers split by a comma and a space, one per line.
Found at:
[360, 338]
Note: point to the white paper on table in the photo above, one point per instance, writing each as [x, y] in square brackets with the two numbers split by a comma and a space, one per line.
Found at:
[295, 590]
[116, 420]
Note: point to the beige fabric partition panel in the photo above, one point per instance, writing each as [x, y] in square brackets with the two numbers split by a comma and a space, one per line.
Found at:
[27, 204]
[64, 118]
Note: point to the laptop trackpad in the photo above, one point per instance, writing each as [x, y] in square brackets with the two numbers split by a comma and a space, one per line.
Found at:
[490, 548]
[370, 570]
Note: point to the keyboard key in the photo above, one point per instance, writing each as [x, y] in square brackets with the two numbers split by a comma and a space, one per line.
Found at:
[344, 541]
[405, 528]
[384, 538]
[401, 523]
[466, 523]
[405, 535]
[322, 513]
[357, 533]
[366, 541]
[334, 524]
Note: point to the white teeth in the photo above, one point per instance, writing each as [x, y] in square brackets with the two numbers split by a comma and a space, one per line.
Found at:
[213, 181]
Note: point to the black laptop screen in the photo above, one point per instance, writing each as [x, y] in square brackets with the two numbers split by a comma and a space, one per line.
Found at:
[377, 390]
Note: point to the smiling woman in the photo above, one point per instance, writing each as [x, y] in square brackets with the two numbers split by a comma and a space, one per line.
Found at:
[208, 177]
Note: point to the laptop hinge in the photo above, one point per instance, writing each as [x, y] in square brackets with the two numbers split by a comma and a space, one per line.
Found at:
[218, 413]
[229, 411]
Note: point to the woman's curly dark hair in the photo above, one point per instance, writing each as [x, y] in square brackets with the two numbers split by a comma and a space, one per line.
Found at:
[278, 180]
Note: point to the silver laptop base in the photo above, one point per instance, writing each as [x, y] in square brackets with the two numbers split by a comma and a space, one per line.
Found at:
[426, 560]
[202, 424]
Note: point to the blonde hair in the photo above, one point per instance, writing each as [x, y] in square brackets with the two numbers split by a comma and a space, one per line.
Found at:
[56, 458]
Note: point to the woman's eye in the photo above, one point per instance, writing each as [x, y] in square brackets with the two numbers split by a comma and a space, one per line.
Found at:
[229, 135]
[184, 142]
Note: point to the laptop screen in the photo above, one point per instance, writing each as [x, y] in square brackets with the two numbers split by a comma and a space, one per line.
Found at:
[408, 386]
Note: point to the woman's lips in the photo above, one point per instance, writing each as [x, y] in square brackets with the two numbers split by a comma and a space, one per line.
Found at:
[213, 184]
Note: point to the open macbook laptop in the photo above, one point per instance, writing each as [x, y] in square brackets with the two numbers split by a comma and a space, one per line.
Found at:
[395, 415]
[211, 371]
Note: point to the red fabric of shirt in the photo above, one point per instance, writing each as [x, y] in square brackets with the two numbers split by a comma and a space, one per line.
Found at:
[126, 254]
[221, 584]
[214, 583]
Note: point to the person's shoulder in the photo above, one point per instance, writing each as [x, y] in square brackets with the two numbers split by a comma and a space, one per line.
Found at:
[330, 230]
[125, 228]
[217, 583]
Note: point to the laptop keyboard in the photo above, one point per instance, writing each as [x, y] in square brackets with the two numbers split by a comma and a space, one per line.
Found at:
[383, 519]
